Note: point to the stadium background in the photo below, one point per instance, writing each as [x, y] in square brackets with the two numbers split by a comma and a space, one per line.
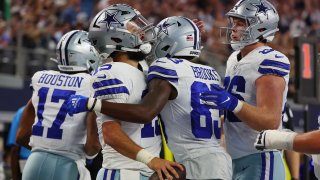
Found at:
[30, 29]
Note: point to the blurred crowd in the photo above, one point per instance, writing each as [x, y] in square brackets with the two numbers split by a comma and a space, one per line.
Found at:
[41, 23]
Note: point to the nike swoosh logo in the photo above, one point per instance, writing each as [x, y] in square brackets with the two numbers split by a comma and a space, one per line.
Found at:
[278, 56]
[102, 77]
[226, 100]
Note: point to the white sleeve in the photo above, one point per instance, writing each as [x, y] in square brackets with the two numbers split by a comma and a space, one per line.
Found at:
[164, 69]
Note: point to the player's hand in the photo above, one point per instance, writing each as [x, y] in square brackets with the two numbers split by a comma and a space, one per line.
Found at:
[200, 24]
[77, 104]
[164, 166]
[219, 98]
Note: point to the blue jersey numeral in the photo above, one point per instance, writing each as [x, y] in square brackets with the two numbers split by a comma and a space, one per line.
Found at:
[54, 132]
[240, 84]
[148, 130]
[201, 120]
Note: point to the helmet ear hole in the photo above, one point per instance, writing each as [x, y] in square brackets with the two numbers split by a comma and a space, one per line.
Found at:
[117, 40]
[262, 29]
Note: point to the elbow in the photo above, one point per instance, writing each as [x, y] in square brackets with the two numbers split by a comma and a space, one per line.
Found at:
[93, 149]
[147, 116]
[110, 139]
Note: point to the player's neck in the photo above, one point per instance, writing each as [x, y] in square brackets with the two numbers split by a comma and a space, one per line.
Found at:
[123, 57]
[247, 49]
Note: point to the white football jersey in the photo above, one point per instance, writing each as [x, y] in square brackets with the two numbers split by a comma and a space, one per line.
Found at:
[54, 130]
[240, 81]
[191, 128]
[123, 83]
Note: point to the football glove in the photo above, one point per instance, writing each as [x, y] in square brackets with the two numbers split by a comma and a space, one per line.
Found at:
[77, 104]
[219, 98]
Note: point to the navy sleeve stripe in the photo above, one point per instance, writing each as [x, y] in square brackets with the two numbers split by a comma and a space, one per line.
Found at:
[110, 91]
[155, 76]
[268, 62]
[104, 68]
[273, 71]
[162, 70]
[105, 83]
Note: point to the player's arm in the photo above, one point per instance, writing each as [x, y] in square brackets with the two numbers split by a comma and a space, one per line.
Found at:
[14, 157]
[293, 161]
[24, 131]
[307, 143]
[276, 139]
[267, 113]
[92, 146]
[114, 136]
[159, 92]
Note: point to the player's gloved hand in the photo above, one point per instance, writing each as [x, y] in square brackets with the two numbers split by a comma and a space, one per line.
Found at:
[275, 139]
[77, 104]
[219, 98]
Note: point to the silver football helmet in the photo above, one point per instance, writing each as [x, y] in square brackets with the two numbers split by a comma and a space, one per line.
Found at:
[75, 52]
[177, 36]
[121, 28]
[262, 22]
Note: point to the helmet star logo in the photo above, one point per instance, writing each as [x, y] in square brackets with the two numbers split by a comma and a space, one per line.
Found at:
[110, 19]
[261, 8]
[164, 27]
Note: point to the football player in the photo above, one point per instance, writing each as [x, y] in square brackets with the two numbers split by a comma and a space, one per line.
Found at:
[174, 87]
[60, 143]
[256, 85]
[121, 32]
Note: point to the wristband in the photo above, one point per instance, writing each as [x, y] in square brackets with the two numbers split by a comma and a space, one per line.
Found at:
[91, 157]
[94, 104]
[144, 156]
[280, 140]
[238, 107]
